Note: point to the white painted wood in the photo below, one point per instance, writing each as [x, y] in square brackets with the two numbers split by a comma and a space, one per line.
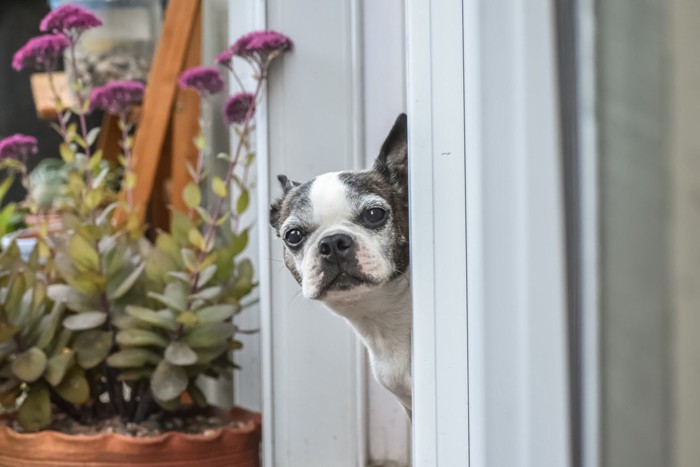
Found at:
[389, 430]
[438, 233]
[526, 420]
[245, 16]
[590, 244]
[492, 106]
[313, 375]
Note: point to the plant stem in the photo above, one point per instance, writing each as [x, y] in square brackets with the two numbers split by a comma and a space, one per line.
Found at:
[65, 406]
[81, 98]
[59, 106]
[128, 156]
[116, 395]
[144, 407]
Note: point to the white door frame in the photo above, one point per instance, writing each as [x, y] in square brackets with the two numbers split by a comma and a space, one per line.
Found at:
[489, 367]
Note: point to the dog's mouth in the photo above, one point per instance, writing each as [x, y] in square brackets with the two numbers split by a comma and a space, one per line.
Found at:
[344, 281]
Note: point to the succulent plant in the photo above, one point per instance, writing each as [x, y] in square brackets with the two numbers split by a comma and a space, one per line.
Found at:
[100, 320]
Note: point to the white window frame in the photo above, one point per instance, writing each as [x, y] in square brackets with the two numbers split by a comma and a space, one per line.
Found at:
[486, 216]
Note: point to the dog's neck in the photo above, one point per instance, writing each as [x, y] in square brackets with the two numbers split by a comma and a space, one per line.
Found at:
[382, 318]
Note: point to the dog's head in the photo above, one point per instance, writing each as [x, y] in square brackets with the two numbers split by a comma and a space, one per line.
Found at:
[346, 233]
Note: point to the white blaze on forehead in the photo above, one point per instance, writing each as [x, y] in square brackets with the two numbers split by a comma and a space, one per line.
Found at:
[329, 199]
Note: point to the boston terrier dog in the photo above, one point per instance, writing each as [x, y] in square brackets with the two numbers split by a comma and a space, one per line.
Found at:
[345, 240]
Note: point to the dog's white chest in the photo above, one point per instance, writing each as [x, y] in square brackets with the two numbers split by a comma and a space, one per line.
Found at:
[393, 370]
[382, 319]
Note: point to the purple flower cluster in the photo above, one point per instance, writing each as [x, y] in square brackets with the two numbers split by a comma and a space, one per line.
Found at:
[40, 53]
[117, 97]
[69, 19]
[239, 107]
[205, 80]
[260, 47]
[18, 147]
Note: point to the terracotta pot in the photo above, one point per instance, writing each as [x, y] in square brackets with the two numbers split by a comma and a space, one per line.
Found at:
[227, 447]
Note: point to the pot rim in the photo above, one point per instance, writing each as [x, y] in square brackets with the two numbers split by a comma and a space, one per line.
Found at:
[250, 424]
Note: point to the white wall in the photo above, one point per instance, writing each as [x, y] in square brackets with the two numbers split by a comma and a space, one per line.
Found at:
[314, 372]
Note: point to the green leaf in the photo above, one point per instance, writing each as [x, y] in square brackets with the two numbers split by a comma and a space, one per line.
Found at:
[188, 318]
[85, 321]
[35, 412]
[239, 243]
[49, 324]
[209, 334]
[57, 367]
[92, 135]
[249, 158]
[206, 275]
[163, 319]
[92, 347]
[200, 142]
[196, 239]
[96, 158]
[30, 365]
[128, 283]
[7, 332]
[218, 186]
[178, 353]
[5, 186]
[189, 258]
[197, 395]
[243, 201]
[67, 154]
[209, 294]
[180, 226]
[133, 358]
[192, 195]
[174, 296]
[168, 381]
[140, 337]
[15, 293]
[169, 406]
[135, 374]
[75, 300]
[216, 313]
[83, 254]
[74, 388]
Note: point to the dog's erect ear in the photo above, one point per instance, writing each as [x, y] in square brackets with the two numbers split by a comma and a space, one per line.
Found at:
[275, 207]
[275, 213]
[286, 183]
[392, 161]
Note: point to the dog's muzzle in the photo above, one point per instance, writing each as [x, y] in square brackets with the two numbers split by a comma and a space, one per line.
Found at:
[339, 265]
[337, 248]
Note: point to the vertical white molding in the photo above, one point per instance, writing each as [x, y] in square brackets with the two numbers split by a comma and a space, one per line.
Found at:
[438, 233]
[475, 236]
[590, 237]
[496, 211]
[246, 16]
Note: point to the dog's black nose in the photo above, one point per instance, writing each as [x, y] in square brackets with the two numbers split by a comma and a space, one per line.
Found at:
[336, 246]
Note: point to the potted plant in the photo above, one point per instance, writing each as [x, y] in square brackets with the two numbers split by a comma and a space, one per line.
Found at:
[105, 332]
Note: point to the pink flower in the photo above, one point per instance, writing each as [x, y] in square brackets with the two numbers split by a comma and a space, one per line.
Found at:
[225, 57]
[40, 53]
[18, 147]
[205, 80]
[69, 19]
[117, 97]
[260, 47]
[239, 108]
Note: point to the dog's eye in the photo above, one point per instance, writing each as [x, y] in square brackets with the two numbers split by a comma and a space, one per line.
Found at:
[374, 216]
[293, 237]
